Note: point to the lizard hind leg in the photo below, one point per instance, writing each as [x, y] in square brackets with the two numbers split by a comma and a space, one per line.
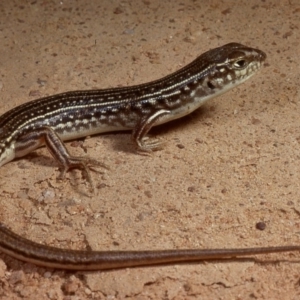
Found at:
[47, 136]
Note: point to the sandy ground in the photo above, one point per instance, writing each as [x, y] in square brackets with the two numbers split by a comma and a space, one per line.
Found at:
[226, 167]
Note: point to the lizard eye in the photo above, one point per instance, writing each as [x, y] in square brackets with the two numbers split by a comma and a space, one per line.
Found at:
[239, 64]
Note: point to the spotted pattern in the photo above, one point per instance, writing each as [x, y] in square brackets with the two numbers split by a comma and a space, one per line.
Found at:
[80, 113]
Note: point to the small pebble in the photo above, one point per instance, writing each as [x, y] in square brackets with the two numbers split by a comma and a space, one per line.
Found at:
[261, 225]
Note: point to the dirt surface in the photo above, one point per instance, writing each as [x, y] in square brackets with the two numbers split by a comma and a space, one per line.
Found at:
[225, 168]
